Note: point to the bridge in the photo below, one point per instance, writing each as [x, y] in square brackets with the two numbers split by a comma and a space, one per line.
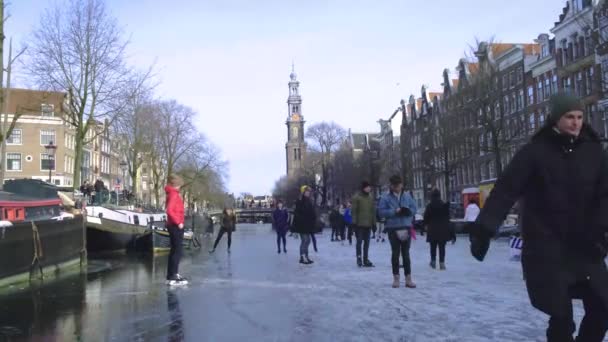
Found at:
[254, 215]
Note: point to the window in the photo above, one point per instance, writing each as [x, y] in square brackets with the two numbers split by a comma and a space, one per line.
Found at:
[47, 137]
[492, 169]
[589, 81]
[554, 85]
[530, 95]
[544, 50]
[547, 91]
[532, 122]
[15, 138]
[513, 103]
[505, 82]
[513, 79]
[539, 91]
[567, 84]
[541, 118]
[520, 100]
[47, 109]
[505, 104]
[483, 171]
[46, 162]
[13, 162]
[579, 84]
[520, 75]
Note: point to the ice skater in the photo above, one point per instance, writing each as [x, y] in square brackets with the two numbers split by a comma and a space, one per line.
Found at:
[280, 221]
[175, 227]
[398, 208]
[305, 219]
[228, 226]
[562, 177]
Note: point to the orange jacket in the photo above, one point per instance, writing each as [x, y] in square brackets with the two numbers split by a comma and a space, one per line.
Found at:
[174, 206]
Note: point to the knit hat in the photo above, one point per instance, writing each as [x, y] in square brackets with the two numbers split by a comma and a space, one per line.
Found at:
[365, 184]
[562, 103]
[303, 188]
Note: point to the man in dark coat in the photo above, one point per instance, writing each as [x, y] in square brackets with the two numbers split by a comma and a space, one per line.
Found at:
[562, 177]
[305, 220]
[437, 222]
[336, 220]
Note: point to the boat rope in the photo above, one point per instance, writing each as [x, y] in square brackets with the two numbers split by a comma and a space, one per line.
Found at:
[38, 254]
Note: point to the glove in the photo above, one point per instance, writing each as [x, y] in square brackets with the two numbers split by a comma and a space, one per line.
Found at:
[480, 241]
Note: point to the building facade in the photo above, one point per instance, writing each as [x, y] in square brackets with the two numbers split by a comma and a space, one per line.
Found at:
[40, 123]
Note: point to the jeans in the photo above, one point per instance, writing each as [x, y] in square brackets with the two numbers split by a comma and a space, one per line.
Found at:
[351, 230]
[335, 234]
[403, 248]
[441, 246]
[593, 326]
[314, 241]
[363, 236]
[176, 236]
[219, 237]
[304, 243]
[281, 237]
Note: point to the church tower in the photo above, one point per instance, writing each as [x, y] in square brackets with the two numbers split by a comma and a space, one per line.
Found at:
[296, 146]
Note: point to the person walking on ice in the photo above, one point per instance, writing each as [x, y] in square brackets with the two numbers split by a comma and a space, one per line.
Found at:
[305, 219]
[280, 220]
[398, 208]
[562, 177]
[364, 218]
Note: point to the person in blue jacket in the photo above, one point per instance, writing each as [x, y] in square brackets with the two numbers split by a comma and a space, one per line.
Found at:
[348, 220]
[398, 208]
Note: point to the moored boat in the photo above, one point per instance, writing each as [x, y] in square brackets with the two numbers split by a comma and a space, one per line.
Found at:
[37, 238]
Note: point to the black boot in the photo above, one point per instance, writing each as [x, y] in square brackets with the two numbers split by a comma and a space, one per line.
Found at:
[302, 261]
[359, 262]
[433, 264]
[368, 263]
[308, 261]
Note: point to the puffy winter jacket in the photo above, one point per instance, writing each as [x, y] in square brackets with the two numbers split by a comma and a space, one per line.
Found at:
[363, 210]
[174, 206]
[388, 205]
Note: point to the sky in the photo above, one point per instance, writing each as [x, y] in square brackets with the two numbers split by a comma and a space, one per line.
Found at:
[230, 60]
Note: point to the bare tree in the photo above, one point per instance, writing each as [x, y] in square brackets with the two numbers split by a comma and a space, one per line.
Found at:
[135, 127]
[483, 97]
[8, 122]
[327, 137]
[79, 49]
[177, 135]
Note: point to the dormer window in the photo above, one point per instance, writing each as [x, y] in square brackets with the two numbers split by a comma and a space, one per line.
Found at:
[47, 109]
[544, 50]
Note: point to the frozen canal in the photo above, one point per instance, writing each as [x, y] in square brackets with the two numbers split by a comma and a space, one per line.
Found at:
[254, 294]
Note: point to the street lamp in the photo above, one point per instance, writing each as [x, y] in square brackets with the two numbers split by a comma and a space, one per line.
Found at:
[123, 167]
[50, 152]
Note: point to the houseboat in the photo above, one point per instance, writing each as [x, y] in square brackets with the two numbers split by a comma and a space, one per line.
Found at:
[38, 238]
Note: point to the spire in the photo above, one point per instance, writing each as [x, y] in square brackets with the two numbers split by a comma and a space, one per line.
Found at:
[293, 75]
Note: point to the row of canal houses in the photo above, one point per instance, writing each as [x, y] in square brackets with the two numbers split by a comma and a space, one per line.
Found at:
[459, 140]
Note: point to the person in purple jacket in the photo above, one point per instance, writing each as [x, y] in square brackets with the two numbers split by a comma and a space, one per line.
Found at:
[280, 220]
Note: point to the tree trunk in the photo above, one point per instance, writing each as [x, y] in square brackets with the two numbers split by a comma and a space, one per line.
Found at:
[78, 165]
[446, 174]
[324, 188]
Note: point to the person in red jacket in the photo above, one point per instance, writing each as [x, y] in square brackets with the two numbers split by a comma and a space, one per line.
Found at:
[175, 226]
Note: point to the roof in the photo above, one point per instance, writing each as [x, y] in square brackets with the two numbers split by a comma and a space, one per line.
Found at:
[473, 67]
[28, 101]
[433, 94]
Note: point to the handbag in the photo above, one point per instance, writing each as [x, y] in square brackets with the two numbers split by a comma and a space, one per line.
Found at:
[403, 234]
